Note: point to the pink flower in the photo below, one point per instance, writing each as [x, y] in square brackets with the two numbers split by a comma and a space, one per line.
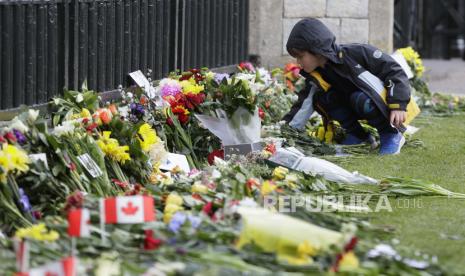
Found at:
[170, 87]
[246, 66]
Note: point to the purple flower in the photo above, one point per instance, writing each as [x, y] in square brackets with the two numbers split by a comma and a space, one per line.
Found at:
[172, 241]
[195, 221]
[19, 137]
[137, 109]
[24, 200]
[181, 251]
[219, 77]
[178, 219]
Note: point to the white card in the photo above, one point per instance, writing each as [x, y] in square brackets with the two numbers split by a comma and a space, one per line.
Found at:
[174, 160]
[89, 164]
[39, 156]
[143, 82]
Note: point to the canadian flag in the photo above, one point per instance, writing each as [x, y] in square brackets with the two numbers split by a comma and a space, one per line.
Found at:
[127, 209]
[78, 223]
[65, 267]
[22, 254]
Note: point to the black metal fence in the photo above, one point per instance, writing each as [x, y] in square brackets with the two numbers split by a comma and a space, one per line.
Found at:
[48, 45]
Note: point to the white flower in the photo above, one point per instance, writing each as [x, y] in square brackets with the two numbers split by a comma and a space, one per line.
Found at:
[265, 76]
[416, 264]
[18, 125]
[244, 76]
[256, 87]
[170, 82]
[123, 111]
[129, 95]
[79, 98]
[216, 174]
[382, 250]
[158, 153]
[162, 269]
[66, 128]
[32, 115]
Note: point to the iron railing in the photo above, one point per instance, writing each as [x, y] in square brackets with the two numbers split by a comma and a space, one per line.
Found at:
[48, 45]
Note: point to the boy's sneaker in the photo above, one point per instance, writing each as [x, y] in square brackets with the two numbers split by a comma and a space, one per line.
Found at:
[391, 143]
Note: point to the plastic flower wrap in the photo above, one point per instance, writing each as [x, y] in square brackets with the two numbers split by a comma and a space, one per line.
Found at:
[235, 113]
[293, 159]
[291, 239]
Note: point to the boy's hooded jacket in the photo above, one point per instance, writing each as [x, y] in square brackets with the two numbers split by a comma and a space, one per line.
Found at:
[373, 72]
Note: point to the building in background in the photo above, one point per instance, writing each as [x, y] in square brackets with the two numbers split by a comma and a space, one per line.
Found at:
[360, 21]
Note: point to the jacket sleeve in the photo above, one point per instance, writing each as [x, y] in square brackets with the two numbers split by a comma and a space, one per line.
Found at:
[387, 69]
[301, 111]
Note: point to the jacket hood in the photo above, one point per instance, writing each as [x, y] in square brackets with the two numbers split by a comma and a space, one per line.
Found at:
[312, 35]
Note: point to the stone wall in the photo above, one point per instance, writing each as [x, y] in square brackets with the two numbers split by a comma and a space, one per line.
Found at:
[360, 21]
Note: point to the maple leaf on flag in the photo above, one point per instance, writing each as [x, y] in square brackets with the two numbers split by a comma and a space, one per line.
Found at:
[130, 209]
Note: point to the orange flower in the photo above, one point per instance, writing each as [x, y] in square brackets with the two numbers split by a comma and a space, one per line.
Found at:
[113, 109]
[105, 115]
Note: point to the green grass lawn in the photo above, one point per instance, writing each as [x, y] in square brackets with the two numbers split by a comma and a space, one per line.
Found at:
[434, 225]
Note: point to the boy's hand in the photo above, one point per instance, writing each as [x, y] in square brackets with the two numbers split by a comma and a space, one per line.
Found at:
[397, 117]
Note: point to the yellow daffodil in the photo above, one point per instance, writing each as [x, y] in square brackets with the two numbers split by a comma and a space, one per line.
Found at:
[169, 211]
[147, 137]
[279, 173]
[174, 199]
[85, 113]
[172, 208]
[5, 163]
[414, 60]
[112, 149]
[13, 159]
[291, 180]
[199, 188]
[37, 232]
[267, 187]
[189, 86]
[349, 261]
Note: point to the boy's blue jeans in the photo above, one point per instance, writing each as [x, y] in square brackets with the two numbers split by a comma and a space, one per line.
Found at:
[348, 108]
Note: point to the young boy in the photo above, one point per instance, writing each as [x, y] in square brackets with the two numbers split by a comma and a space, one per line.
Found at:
[347, 83]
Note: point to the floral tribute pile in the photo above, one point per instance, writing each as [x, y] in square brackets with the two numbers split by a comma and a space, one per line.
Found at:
[88, 189]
